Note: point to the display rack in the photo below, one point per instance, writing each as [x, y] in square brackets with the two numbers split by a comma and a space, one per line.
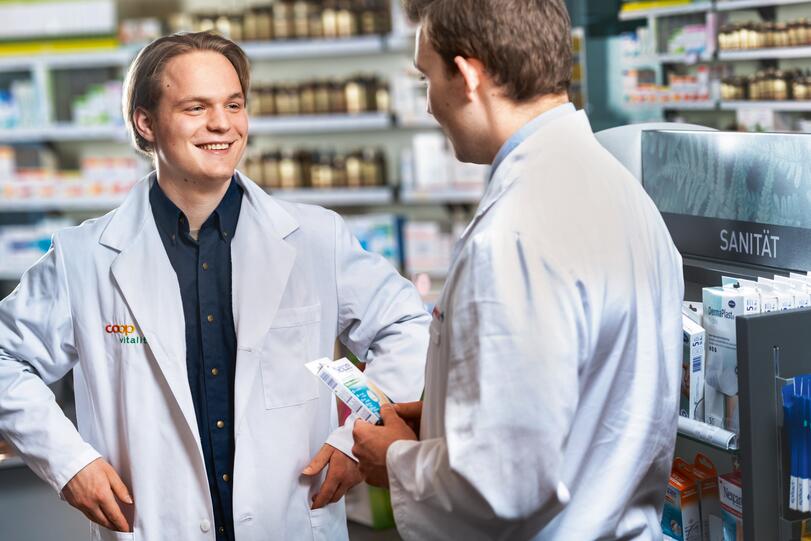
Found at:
[685, 9]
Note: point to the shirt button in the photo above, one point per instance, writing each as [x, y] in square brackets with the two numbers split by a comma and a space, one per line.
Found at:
[214, 371]
[226, 477]
[205, 526]
[220, 424]
[221, 530]
[210, 318]
[205, 266]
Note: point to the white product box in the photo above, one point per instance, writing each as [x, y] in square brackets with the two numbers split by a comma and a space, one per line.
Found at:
[785, 297]
[768, 298]
[721, 306]
[351, 386]
[692, 392]
[801, 290]
[693, 310]
[731, 495]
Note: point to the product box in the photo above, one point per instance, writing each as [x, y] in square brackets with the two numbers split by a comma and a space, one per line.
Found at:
[693, 310]
[692, 387]
[785, 296]
[801, 290]
[768, 297]
[731, 496]
[721, 306]
[681, 519]
[710, 504]
[351, 386]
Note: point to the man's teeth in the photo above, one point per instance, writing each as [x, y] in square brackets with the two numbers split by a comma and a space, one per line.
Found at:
[217, 146]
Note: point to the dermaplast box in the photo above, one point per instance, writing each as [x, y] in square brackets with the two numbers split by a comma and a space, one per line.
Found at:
[691, 404]
[731, 496]
[681, 519]
[721, 306]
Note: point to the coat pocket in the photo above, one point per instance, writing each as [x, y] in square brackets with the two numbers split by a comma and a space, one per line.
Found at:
[103, 534]
[291, 341]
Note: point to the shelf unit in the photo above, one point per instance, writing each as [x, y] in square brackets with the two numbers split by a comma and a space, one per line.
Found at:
[686, 9]
[338, 197]
[734, 5]
[779, 106]
[715, 57]
[281, 125]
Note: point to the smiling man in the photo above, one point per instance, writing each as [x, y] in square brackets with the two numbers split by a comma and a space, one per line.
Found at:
[187, 315]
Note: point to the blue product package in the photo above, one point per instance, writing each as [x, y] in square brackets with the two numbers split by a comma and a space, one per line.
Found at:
[789, 423]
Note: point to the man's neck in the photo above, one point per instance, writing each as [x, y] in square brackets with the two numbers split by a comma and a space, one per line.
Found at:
[196, 199]
[507, 117]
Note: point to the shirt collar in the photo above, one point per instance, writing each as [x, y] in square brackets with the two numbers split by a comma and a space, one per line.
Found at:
[528, 129]
[172, 222]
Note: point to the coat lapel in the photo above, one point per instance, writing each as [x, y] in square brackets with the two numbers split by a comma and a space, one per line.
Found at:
[261, 262]
[144, 275]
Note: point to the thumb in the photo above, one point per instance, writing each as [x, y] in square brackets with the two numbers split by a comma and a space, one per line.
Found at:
[389, 414]
[117, 485]
[318, 462]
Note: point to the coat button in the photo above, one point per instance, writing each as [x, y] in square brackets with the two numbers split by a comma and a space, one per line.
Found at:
[205, 526]
[220, 424]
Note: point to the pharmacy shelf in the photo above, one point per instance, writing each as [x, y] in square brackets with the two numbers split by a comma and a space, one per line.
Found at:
[776, 53]
[709, 105]
[11, 462]
[695, 7]
[86, 59]
[732, 5]
[683, 58]
[298, 49]
[63, 132]
[418, 123]
[78, 204]
[705, 434]
[779, 106]
[281, 125]
[450, 197]
[338, 197]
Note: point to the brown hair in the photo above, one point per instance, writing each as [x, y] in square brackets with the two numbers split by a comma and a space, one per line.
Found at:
[525, 45]
[142, 84]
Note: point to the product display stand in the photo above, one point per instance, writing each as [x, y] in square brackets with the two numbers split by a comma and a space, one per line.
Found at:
[772, 349]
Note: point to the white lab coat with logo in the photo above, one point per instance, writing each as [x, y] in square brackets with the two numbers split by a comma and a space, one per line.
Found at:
[299, 281]
[554, 366]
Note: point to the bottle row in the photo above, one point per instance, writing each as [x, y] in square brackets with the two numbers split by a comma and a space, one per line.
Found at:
[358, 94]
[764, 35]
[768, 85]
[290, 169]
[299, 19]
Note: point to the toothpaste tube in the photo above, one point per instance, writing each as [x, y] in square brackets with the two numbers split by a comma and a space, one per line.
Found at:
[351, 386]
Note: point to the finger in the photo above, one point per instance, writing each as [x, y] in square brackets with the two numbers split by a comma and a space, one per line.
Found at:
[409, 410]
[389, 416]
[326, 491]
[119, 488]
[339, 493]
[360, 428]
[320, 460]
[113, 513]
[96, 515]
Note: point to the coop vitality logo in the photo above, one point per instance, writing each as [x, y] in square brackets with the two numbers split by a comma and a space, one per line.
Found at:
[745, 242]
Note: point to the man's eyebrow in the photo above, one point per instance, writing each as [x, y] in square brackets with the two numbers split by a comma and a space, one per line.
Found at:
[234, 96]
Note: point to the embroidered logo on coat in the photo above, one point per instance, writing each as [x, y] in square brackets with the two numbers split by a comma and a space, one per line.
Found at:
[125, 329]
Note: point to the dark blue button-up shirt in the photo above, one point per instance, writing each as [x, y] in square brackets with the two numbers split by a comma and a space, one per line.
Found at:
[203, 269]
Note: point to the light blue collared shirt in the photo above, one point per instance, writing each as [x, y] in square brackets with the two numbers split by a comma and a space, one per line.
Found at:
[528, 129]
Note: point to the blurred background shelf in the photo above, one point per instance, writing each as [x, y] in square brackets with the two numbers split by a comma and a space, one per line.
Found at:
[337, 197]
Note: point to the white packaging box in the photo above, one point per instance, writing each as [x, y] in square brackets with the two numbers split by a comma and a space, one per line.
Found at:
[721, 306]
[769, 301]
[351, 386]
[692, 394]
[693, 310]
[731, 496]
[785, 297]
[431, 162]
[801, 290]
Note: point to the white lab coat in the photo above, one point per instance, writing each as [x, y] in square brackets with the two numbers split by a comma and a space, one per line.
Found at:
[299, 280]
[555, 358]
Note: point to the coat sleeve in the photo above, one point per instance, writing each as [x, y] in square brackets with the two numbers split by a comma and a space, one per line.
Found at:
[382, 320]
[515, 327]
[37, 348]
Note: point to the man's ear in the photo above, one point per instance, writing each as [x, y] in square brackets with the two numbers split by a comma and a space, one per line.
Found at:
[144, 124]
[473, 73]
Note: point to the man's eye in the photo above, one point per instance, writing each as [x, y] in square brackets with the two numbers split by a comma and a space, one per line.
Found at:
[235, 106]
[195, 108]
